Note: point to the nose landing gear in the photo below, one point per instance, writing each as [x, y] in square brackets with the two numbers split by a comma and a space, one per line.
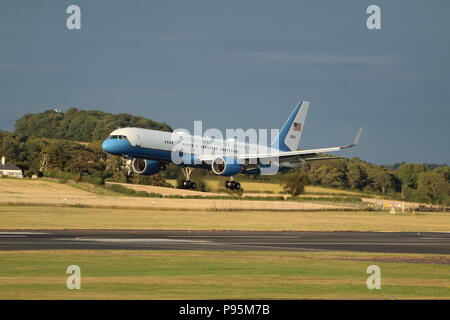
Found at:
[187, 183]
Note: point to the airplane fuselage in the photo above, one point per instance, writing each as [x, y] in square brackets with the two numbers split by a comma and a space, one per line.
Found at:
[160, 146]
[151, 150]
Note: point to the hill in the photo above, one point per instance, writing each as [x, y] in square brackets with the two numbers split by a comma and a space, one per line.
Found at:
[80, 125]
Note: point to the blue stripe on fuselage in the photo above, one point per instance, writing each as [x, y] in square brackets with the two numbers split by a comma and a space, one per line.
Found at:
[124, 148]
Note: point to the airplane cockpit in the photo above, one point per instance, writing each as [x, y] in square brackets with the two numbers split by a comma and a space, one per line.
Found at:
[116, 144]
[118, 137]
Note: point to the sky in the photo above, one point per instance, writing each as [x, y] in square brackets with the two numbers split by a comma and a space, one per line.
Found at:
[241, 64]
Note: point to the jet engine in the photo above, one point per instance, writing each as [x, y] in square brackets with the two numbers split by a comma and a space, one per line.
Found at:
[146, 167]
[225, 167]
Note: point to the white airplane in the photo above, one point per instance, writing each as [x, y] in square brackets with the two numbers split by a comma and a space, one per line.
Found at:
[150, 151]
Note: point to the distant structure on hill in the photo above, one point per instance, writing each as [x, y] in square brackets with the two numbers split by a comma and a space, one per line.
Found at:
[9, 169]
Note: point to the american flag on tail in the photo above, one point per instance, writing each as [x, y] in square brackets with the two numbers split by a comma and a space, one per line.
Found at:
[297, 126]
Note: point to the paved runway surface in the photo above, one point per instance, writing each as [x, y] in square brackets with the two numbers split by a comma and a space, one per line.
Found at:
[401, 242]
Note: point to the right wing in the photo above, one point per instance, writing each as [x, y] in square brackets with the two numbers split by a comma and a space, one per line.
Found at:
[305, 155]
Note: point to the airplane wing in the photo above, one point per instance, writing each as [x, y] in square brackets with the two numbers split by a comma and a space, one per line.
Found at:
[305, 155]
[292, 156]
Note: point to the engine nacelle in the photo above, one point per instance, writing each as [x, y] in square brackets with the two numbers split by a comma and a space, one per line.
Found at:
[224, 167]
[146, 167]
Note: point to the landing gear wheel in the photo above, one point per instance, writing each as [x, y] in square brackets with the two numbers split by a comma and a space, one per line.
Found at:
[188, 184]
[232, 185]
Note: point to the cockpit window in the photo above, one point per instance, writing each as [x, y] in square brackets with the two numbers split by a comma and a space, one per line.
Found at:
[118, 137]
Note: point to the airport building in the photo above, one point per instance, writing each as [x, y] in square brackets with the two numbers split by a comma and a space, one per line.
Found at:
[9, 169]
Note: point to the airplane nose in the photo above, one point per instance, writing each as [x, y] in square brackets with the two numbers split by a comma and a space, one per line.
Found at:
[107, 146]
[114, 146]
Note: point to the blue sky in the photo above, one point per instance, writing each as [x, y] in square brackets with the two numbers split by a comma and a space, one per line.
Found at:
[241, 64]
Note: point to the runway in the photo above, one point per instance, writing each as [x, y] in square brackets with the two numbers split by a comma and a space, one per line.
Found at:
[395, 242]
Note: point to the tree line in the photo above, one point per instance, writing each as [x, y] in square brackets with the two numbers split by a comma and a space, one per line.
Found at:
[80, 125]
[409, 181]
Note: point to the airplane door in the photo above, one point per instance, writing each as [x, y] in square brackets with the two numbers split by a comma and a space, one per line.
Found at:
[138, 140]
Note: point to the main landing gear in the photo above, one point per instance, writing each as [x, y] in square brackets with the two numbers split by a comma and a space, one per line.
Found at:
[232, 185]
[187, 183]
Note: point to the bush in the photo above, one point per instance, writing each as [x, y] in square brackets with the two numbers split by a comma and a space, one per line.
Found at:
[121, 189]
[294, 183]
[130, 192]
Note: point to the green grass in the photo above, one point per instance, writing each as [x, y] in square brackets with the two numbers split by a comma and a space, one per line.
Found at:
[41, 217]
[97, 190]
[216, 184]
[219, 275]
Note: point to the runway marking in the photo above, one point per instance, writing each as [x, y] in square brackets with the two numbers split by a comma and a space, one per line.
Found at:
[18, 232]
[213, 236]
[12, 236]
[343, 243]
[135, 240]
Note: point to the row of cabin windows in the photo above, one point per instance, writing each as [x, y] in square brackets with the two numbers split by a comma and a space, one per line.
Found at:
[204, 147]
[214, 148]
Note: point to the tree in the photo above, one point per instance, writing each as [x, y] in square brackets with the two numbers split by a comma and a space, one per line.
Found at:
[433, 187]
[409, 173]
[443, 171]
[357, 175]
[153, 180]
[294, 183]
[384, 180]
[80, 125]
[332, 176]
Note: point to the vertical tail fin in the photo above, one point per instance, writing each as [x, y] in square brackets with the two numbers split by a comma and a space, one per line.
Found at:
[288, 139]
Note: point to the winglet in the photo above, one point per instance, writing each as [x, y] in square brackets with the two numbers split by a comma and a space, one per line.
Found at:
[356, 140]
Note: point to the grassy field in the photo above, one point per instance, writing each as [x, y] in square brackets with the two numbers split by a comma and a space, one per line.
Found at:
[248, 186]
[220, 275]
[217, 184]
[51, 193]
[22, 217]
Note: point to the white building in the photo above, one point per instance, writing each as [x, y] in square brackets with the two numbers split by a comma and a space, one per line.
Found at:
[9, 169]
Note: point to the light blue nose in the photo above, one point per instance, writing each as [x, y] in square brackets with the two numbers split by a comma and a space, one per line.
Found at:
[115, 146]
